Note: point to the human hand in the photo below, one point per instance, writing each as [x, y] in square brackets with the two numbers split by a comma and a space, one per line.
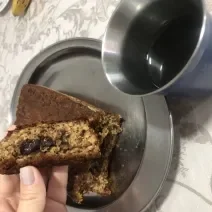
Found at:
[33, 191]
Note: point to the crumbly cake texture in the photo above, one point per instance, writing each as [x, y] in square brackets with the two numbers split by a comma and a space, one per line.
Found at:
[48, 144]
[38, 104]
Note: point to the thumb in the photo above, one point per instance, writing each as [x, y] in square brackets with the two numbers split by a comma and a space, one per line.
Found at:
[32, 191]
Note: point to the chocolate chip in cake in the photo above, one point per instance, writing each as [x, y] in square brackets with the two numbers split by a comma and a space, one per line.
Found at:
[64, 137]
[29, 146]
[82, 133]
[46, 142]
[95, 168]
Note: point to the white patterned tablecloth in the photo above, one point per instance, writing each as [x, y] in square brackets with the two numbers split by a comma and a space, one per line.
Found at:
[189, 184]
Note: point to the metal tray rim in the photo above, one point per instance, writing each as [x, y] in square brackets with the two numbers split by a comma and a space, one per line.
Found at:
[125, 201]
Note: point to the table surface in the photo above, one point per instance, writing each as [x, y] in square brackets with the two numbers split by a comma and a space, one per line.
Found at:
[189, 184]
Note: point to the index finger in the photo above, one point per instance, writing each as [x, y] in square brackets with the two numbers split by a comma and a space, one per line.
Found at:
[57, 187]
[9, 184]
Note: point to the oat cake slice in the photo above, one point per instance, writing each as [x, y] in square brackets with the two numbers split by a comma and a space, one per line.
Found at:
[38, 104]
[44, 145]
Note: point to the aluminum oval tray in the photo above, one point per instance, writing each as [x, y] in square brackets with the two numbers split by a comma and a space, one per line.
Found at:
[142, 158]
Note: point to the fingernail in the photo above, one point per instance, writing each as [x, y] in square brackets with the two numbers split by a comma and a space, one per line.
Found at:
[11, 128]
[27, 175]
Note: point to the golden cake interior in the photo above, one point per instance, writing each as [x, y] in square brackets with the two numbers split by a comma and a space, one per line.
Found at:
[94, 175]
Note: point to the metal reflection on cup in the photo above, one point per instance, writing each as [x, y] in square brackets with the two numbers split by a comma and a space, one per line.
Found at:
[159, 46]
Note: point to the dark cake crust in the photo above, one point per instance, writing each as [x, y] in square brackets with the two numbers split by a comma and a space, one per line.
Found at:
[39, 104]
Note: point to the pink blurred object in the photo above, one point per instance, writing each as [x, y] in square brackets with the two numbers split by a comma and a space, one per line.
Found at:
[11, 128]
